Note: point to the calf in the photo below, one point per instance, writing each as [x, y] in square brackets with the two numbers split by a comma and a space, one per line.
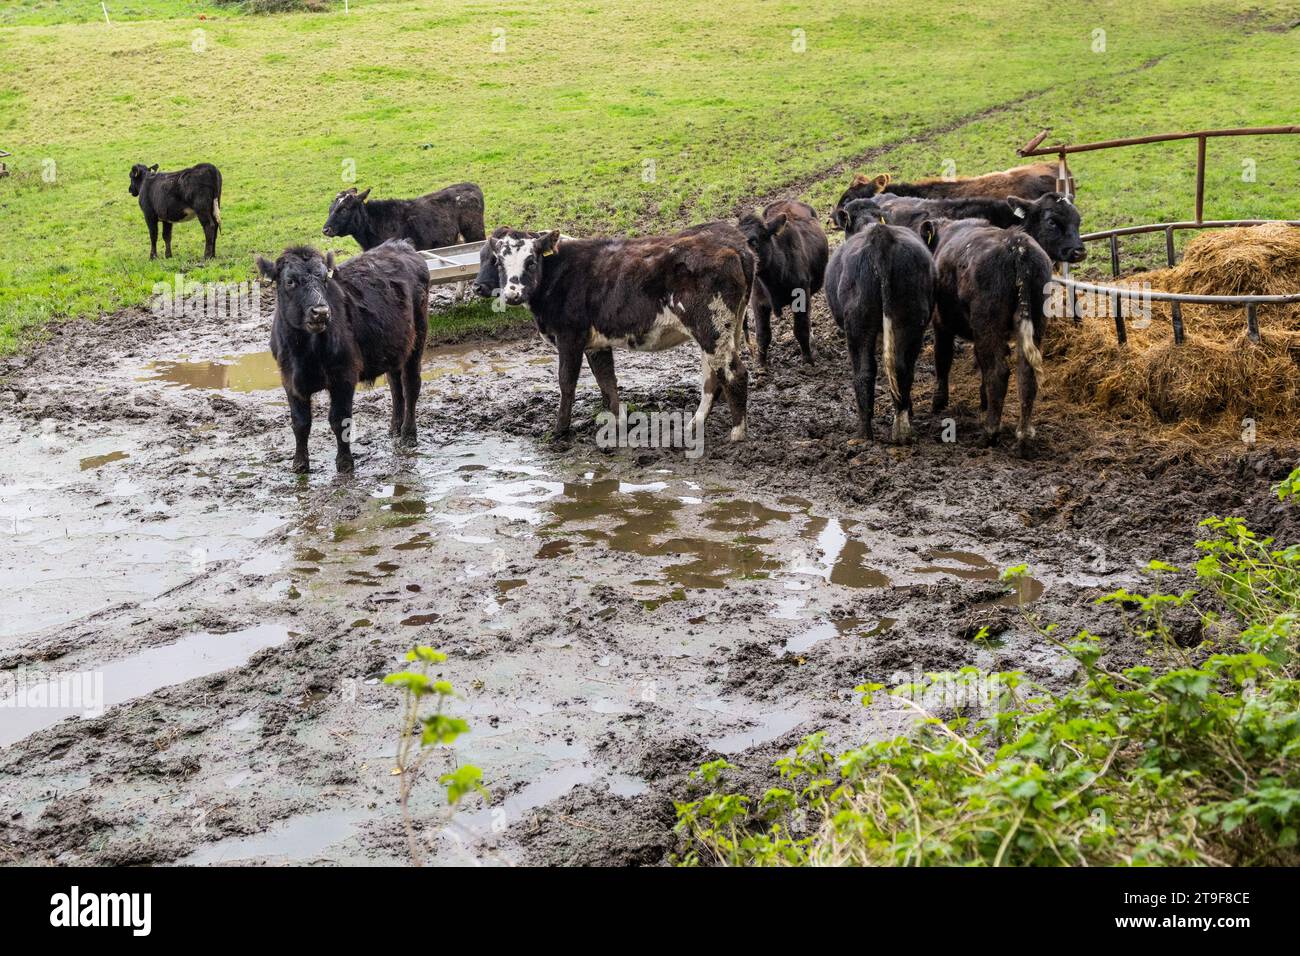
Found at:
[791, 248]
[881, 279]
[170, 198]
[646, 294]
[442, 218]
[336, 327]
[1027, 182]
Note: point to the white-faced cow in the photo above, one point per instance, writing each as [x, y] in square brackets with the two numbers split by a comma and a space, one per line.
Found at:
[991, 284]
[1027, 182]
[169, 198]
[334, 327]
[881, 281]
[791, 248]
[437, 219]
[647, 294]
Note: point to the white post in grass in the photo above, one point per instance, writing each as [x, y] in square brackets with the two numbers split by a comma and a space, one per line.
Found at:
[104, 7]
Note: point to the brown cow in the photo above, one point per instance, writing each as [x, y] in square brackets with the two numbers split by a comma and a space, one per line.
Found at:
[1027, 182]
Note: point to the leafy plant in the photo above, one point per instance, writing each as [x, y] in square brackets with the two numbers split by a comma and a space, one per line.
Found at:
[1191, 759]
[422, 732]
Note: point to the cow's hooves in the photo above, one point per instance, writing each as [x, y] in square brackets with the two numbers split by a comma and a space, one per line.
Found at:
[808, 360]
[300, 467]
[990, 440]
[345, 466]
[407, 440]
[738, 433]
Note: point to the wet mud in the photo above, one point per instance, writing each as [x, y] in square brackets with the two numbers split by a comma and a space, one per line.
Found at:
[613, 617]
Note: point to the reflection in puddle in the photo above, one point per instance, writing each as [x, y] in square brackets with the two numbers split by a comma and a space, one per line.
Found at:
[762, 727]
[257, 371]
[98, 461]
[144, 672]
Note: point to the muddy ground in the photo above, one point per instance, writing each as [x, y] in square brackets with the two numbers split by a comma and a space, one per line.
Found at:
[613, 618]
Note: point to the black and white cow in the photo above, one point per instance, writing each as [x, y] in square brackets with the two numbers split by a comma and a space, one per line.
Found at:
[646, 294]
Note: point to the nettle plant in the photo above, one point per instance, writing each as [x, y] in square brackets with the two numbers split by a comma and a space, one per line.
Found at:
[422, 732]
[1191, 759]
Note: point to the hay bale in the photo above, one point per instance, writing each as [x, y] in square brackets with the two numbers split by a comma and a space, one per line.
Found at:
[1218, 377]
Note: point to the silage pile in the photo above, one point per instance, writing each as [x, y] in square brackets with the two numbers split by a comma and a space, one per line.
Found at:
[1217, 377]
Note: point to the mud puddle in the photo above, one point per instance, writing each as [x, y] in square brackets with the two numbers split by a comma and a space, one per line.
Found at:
[612, 619]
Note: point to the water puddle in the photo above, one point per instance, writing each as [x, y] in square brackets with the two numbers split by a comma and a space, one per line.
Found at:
[975, 567]
[99, 461]
[300, 839]
[258, 371]
[43, 703]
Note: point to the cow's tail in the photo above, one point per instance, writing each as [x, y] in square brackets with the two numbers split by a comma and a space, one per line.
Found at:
[216, 200]
[1029, 314]
[880, 243]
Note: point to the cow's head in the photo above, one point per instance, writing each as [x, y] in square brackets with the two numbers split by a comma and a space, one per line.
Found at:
[347, 212]
[760, 232]
[862, 187]
[488, 283]
[138, 174]
[300, 276]
[1053, 222]
[518, 256]
[860, 213]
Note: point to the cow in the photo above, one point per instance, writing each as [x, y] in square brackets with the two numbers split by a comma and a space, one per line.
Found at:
[1027, 182]
[335, 327]
[881, 280]
[442, 218]
[990, 288]
[791, 249]
[909, 212]
[169, 198]
[646, 294]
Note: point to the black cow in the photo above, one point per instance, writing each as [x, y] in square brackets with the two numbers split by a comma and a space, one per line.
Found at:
[881, 280]
[336, 327]
[791, 248]
[1027, 182]
[909, 212]
[645, 294]
[441, 218]
[170, 198]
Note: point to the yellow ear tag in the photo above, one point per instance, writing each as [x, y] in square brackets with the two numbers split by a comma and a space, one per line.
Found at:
[549, 252]
[882, 220]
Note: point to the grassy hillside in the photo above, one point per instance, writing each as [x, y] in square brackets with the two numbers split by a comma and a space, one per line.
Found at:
[561, 126]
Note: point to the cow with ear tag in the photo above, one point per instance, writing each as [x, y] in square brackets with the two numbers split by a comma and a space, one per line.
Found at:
[792, 251]
[335, 327]
[590, 296]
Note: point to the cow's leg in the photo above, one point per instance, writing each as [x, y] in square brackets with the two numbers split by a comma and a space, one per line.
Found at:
[762, 306]
[943, 345]
[167, 239]
[601, 363]
[152, 223]
[1027, 386]
[300, 417]
[341, 423]
[906, 353]
[735, 378]
[410, 394]
[209, 236]
[399, 402]
[570, 366]
[862, 353]
[710, 386]
[995, 373]
[803, 332]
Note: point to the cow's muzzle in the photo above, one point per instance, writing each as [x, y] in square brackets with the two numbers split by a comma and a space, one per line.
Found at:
[1076, 255]
[317, 318]
[327, 231]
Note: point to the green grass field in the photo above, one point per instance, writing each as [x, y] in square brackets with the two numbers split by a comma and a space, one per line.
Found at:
[561, 126]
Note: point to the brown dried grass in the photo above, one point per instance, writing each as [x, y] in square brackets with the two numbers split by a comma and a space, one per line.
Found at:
[1204, 388]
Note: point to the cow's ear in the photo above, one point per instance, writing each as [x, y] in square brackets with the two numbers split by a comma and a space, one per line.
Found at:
[882, 181]
[153, 168]
[548, 242]
[329, 264]
[1019, 208]
[776, 224]
[266, 267]
[929, 231]
[860, 179]
[362, 196]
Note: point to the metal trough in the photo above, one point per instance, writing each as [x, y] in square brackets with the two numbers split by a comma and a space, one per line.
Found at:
[453, 263]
